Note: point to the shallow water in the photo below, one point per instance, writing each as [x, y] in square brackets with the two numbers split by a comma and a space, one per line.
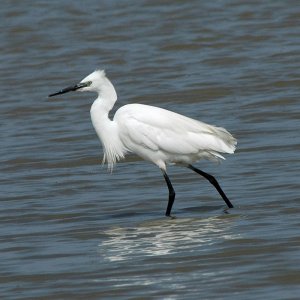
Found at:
[70, 230]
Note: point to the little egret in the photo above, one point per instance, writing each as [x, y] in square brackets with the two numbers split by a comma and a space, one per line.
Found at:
[155, 134]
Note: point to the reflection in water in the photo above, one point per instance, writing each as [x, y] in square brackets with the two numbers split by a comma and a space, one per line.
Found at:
[230, 63]
[157, 238]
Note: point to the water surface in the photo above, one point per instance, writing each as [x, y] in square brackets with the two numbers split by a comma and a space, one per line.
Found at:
[71, 230]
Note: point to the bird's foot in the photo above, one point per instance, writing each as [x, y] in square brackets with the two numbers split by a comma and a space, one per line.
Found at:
[171, 217]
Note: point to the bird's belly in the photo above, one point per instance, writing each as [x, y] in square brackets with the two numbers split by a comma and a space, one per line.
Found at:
[161, 158]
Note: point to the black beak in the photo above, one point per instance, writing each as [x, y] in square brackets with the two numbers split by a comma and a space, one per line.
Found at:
[72, 88]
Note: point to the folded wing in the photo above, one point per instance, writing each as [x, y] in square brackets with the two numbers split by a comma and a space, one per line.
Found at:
[162, 130]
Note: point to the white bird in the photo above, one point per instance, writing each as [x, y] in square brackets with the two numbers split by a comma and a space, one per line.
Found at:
[155, 134]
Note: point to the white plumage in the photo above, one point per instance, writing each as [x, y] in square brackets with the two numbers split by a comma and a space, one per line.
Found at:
[162, 136]
[155, 134]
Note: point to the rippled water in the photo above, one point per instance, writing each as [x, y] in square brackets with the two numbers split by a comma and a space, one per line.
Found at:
[70, 230]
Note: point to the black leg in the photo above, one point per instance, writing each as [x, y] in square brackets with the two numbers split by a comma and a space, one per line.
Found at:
[171, 194]
[214, 182]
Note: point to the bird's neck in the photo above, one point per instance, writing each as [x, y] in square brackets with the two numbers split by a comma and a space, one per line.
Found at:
[107, 96]
[107, 130]
[99, 112]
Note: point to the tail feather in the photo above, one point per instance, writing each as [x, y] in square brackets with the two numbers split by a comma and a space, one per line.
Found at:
[226, 140]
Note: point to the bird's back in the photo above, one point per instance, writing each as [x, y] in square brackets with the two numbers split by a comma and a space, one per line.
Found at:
[155, 132]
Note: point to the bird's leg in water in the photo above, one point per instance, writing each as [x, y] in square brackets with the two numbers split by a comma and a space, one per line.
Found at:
[171, 194]
[214, 182]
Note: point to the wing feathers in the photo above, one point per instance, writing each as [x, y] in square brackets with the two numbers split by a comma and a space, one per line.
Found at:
[159, 129]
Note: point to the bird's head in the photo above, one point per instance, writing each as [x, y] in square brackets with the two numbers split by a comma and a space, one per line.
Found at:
[94, 82]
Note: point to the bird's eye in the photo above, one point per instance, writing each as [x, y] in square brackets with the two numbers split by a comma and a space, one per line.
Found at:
[88, 83]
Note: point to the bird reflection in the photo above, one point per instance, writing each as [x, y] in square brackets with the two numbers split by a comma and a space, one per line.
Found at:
[159, 238]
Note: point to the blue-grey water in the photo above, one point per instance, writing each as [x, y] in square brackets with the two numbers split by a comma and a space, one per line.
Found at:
[71, 230]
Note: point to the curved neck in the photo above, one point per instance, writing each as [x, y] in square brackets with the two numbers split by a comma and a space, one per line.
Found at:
[107, 130]
[107, 95]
